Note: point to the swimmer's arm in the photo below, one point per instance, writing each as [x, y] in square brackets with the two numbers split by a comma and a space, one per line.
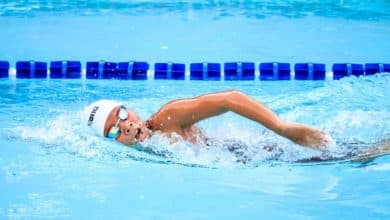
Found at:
[186, 112]
[378, 149]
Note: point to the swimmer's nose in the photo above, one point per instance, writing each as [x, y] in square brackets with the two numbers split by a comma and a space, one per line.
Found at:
[132, 128]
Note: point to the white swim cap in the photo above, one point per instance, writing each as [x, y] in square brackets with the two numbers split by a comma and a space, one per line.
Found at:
[95, 115]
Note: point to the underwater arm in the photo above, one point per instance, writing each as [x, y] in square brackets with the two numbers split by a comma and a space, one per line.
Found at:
[378, 149]
[186, 112]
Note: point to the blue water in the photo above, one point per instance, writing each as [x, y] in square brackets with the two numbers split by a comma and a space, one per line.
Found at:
[50, 168]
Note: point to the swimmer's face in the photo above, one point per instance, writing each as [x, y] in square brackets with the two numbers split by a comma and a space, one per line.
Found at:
[132, 130]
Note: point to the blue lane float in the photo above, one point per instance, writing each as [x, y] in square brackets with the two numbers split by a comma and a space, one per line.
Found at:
[310, 71]
[275, 71]
[122, 70]
[101, 70]
[31, 70]
[205, 71]
[4, 69]
[175, 71]
[133, 70]
[341, 70]
[65, 69]
[373, 68]
[239, 71]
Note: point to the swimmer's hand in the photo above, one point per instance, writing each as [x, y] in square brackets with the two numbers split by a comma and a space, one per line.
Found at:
[306, 135]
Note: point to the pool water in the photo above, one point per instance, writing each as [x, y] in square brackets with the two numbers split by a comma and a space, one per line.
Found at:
[51, 168]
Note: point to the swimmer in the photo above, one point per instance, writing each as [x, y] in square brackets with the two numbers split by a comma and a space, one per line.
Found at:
[113, 120]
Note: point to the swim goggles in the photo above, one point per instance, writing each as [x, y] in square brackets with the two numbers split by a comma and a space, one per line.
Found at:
[115, 131]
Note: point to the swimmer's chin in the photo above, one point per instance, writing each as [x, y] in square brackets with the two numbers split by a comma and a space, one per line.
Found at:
[144, 136]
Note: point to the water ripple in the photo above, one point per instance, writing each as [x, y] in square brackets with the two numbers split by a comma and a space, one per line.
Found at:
[356, 10]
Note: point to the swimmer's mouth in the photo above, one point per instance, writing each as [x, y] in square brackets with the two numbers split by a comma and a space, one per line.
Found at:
[138, 134]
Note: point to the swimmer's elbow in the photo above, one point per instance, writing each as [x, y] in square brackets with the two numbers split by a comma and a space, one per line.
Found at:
[234, 93]
[232, 97]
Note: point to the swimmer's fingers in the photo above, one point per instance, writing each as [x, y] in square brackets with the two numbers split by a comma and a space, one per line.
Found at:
[307, 136]
[318, 139]
[326, 142]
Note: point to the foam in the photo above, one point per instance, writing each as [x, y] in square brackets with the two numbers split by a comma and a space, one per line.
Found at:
[64, 133]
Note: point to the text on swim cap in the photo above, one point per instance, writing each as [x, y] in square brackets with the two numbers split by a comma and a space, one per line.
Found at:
[92, 115]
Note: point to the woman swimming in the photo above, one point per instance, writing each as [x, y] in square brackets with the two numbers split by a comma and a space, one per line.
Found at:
[113, 120]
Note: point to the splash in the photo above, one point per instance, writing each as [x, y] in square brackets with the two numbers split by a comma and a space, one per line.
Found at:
[231, 146]
[356, 120]
[64, 134]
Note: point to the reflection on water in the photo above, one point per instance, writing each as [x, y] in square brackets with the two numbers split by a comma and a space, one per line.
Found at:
[365, 10]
